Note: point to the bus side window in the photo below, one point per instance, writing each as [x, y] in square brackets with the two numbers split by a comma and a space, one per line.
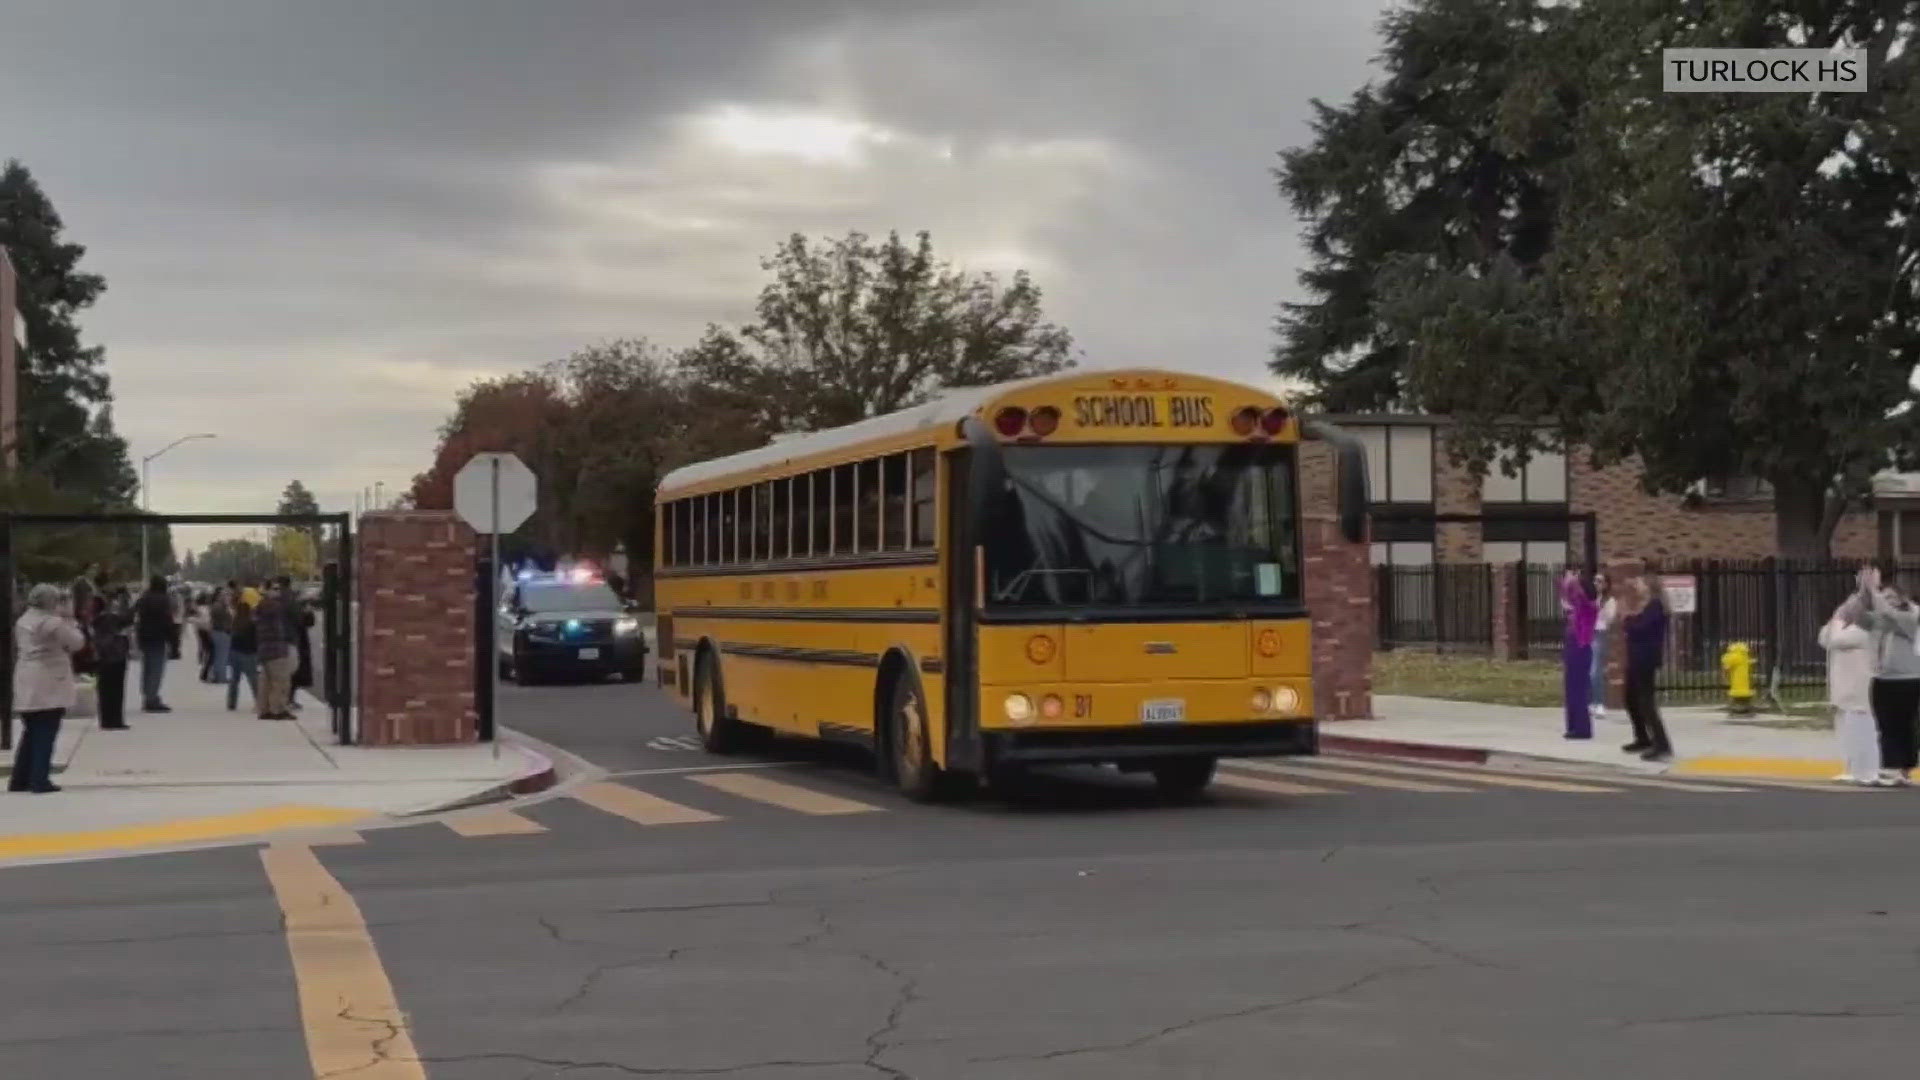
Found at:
[802, 515]
[843, 511]
[868, 492]
[712, 516]
[729, 526]
[922, 498]
[762, 521]
[782, 515]
[822, 513]
[893, 488]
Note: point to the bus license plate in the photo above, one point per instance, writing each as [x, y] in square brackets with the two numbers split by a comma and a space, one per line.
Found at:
[589, 654]
[1168, 711]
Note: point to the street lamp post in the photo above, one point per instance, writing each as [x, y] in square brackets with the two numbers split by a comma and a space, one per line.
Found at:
[146, 569]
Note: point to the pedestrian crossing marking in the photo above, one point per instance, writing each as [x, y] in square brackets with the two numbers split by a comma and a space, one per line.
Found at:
[495, 822]
[638, 806]
[761, 789]
[1271, 787]
[1361, 779]
[334, 839]
[1479, 776]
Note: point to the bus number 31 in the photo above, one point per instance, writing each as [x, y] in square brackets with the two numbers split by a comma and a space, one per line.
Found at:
[1082, 706]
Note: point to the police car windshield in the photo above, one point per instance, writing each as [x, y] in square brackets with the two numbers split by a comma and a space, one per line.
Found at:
[558, 596]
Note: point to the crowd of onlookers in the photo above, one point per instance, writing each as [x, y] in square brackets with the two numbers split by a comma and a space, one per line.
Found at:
[246, 633]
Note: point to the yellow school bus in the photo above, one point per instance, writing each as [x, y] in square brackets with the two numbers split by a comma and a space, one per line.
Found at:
[1084, 567]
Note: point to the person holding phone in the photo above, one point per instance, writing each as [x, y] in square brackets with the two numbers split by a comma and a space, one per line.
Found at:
[1581, 611]
[1895, 692]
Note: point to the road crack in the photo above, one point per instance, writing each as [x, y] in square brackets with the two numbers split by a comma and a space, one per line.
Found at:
[1214, 1018]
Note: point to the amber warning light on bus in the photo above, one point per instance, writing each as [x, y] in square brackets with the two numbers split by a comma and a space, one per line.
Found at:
[1251, 421]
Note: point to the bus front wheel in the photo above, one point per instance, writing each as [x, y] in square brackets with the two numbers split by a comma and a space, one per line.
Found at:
[1184, 778]
[910, 746]
[719, 733]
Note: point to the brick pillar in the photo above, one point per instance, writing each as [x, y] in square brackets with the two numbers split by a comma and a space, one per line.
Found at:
[1506, 631]
[415, 583]
[1340, 598]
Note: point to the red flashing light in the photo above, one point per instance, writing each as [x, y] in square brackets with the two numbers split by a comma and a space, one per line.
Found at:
[1275, 421]
[1010, 421]
[1045, 420]
[1245, 420]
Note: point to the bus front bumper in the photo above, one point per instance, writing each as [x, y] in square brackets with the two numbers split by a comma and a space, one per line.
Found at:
[1285, 738]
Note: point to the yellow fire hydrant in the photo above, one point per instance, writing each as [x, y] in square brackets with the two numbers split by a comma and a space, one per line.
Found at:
[1737, 662]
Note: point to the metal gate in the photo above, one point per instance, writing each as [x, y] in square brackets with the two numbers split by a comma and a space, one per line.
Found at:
[338, 610]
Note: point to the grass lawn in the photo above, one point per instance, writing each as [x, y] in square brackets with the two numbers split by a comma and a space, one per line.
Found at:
[1463, 677]
[1459, 677]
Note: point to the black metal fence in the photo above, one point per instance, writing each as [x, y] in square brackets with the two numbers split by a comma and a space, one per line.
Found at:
[1447, 607]
[1775, 606]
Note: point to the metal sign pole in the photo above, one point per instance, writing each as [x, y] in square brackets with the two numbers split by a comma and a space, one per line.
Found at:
[493, 618]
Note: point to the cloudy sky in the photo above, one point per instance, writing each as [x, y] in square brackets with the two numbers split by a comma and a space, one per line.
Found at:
[319, 220]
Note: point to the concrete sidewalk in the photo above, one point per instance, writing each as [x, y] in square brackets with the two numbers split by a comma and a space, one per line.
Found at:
[202, 773]
[1706, 741]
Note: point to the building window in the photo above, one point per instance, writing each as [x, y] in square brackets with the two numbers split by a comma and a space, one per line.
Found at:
[1528, 552]
[1900, 534]
[1542, 480]
[1736, 489]
[1399, 462]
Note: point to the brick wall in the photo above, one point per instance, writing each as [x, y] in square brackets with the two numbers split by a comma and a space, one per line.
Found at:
[415, 574]
[1339, 596]
[1636, 525]
[1456, 490]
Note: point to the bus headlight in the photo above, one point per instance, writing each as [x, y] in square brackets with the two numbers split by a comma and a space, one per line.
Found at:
[1019, 707]
[1262, 701]
[1286, 699]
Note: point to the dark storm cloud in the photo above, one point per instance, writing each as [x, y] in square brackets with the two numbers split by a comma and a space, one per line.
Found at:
[320, 219]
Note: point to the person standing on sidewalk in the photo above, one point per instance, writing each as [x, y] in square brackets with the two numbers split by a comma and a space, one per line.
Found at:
[1645, 629]
[220, 625]
[155, 631]
[1603, 623]
[1577, 654]
[277, 622]
[44, 642]
[1895, 692]
[243, 656]
[111, 623]
[1849, 648]
[303, 653]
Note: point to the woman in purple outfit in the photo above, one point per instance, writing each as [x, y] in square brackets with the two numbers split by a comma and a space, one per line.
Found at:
[1581, 610]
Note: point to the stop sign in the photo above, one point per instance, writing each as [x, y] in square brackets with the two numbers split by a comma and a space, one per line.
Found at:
[495, 492]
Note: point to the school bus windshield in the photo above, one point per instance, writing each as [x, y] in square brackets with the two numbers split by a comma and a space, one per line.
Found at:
[1144, 526]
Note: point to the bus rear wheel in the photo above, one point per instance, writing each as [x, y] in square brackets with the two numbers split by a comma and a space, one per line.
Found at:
[1184, 778]
[719, 733]
[910, 746]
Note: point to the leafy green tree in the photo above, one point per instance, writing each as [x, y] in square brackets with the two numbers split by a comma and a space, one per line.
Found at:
[1426, 162]
[851, 328]
[1729, 283]
[296, 499]
[65, 421]
[236, 559]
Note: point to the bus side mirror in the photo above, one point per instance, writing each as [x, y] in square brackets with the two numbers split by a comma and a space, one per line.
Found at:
[1351, 487]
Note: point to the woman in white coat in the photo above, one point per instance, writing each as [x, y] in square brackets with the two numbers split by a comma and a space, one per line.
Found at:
[1849, 646]
[44, 641]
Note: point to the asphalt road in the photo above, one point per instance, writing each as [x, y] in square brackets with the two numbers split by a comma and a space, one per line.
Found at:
[1487, 930]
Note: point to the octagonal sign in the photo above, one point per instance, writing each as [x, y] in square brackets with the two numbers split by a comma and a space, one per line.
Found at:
[495, 492]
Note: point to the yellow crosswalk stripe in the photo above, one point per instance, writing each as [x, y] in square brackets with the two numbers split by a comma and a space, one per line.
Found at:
[1361, 779]
[638, 806]
[1475, 775]
[493, 822]
[353, 1021]
[787, 796]
[1270, 787]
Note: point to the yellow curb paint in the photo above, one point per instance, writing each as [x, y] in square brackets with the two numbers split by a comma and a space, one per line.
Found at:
[182, 831]
[1786, 768]
[352, 1017]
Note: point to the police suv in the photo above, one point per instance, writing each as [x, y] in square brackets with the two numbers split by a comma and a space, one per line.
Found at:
[569, 625]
